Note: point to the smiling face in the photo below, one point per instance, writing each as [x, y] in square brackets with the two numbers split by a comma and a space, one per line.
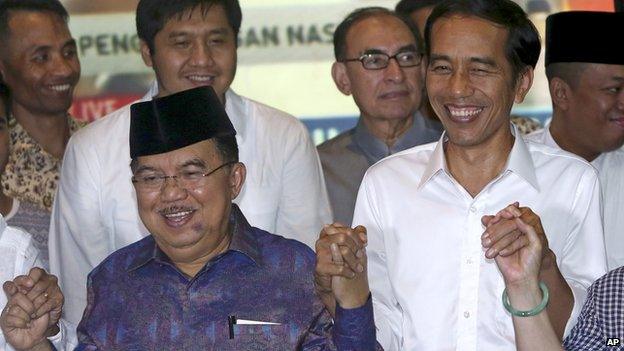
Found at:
[594, 110]
[192, 50]
[40, 64]
[390, 93]
[188, 223]
[470, 81]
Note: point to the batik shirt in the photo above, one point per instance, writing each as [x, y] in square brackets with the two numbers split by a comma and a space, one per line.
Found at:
[32, 173]
[138, 300]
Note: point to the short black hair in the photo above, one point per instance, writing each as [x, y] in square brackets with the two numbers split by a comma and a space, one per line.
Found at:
[406, 7]
[340, 34]
[523, 43]
[152, 15]
[226, 146]
[7, 6]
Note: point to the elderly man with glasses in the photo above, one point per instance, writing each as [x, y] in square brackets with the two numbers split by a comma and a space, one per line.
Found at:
[205, 279]
[379, 61]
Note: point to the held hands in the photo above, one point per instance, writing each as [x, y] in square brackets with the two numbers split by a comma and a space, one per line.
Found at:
[32, 311]
[341, 264]
[515, 239]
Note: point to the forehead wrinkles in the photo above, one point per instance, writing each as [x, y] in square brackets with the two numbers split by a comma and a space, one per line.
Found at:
[382, 31]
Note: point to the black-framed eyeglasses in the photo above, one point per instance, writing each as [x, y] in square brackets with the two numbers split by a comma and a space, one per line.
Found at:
[375, 61]
[186, 179]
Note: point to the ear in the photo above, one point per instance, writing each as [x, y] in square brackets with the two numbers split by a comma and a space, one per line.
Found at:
[523, 84]
[238, 173]
[146, 54]
[341, 78]
[560, 93]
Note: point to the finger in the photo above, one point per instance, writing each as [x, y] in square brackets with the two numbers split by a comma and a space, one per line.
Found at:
[11, 321]
[501, 244]
[23, 302]
[534, 240]
[362, 234]
[351, 259]
[336, 255]
[336, 270]
[36, 274]
[41, 287]
[485, 220]
[9, 288]
[495, 232]
[514, 209]
[24, 283]
[348, 238]
[515, 246]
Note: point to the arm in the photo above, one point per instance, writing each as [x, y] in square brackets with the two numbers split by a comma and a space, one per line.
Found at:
[521, 272]
[588, 333]
[77, 240]
[304, 205]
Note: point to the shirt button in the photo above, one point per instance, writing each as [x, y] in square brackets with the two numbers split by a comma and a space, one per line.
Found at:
[473, 209]
[469, 261]
[466, 314]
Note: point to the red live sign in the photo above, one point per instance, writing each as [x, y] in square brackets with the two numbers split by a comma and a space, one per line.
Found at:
[88, 109]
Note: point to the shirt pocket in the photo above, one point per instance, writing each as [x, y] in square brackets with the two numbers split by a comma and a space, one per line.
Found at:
[261, 337]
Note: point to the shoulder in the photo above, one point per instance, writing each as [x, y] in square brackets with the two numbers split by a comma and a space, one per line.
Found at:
[269, 118]
[100, 131]
[336, 145]
[412, 159]
[551, 157]
[610, 286]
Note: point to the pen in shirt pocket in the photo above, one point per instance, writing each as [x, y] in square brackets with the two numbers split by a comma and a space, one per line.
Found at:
[232, 320]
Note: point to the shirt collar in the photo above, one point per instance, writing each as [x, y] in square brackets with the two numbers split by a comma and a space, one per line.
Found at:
[375, 149]
[234, 107]
[243, 241]
[519, 161]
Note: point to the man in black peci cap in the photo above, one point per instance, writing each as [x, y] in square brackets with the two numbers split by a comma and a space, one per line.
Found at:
[585, 70]
[205, 279]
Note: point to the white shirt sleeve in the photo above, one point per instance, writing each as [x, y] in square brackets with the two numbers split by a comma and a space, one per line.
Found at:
[304, 205]
[388, 314]
[77, 239]
[584, 257]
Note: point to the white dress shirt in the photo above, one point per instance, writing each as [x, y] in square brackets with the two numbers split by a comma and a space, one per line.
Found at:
[95, 210]
[610, 166]
[17, 256]
[432, 287]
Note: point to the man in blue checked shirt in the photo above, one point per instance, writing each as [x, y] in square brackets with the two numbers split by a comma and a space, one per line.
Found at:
[205, 279]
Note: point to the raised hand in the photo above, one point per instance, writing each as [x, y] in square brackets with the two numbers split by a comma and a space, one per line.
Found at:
[21, 326]
[341, 266]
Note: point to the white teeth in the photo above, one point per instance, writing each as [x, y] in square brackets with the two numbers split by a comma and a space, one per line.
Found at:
[464, 112]
[178, 214]
[60, 88]
[202, 79]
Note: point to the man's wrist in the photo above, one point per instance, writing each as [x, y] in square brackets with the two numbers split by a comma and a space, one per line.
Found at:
[356, 301]
[52, 330]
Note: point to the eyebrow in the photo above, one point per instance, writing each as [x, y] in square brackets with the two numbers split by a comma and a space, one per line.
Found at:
[195, 162]
[482, 60]
[618, 78]
[37, 48]
[406, 48]
[182, 33]
[144, 168]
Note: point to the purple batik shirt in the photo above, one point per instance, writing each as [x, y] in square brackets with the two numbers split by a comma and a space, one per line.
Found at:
[138, 300]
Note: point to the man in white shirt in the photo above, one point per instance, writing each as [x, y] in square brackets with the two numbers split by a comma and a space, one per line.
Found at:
[188, 43]
[431, 242]
[38, 294]
[586, 77]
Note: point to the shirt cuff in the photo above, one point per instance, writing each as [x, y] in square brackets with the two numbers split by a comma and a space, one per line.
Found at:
[354, 328]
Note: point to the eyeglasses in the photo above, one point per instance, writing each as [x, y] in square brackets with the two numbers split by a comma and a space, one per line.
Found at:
[186, 179]
[380, 60]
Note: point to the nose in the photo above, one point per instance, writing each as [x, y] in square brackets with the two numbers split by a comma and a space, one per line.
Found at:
[394, 72]
[172, 191]
[620, 100]
[201, 55]
[460, 84]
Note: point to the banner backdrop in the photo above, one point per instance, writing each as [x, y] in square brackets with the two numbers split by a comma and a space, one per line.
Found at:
[284, 57]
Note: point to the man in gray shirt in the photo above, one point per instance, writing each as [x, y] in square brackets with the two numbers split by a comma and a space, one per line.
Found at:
[378, 62]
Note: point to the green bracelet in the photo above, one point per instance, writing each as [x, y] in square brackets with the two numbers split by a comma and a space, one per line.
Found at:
[539, 308]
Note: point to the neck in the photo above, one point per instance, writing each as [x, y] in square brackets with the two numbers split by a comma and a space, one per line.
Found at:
[388, 130]
[476, 166]
[6, 204]
[191, 267]
[49, 131]
[565, 139]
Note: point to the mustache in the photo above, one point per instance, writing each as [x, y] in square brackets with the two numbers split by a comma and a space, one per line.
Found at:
[174, 209]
